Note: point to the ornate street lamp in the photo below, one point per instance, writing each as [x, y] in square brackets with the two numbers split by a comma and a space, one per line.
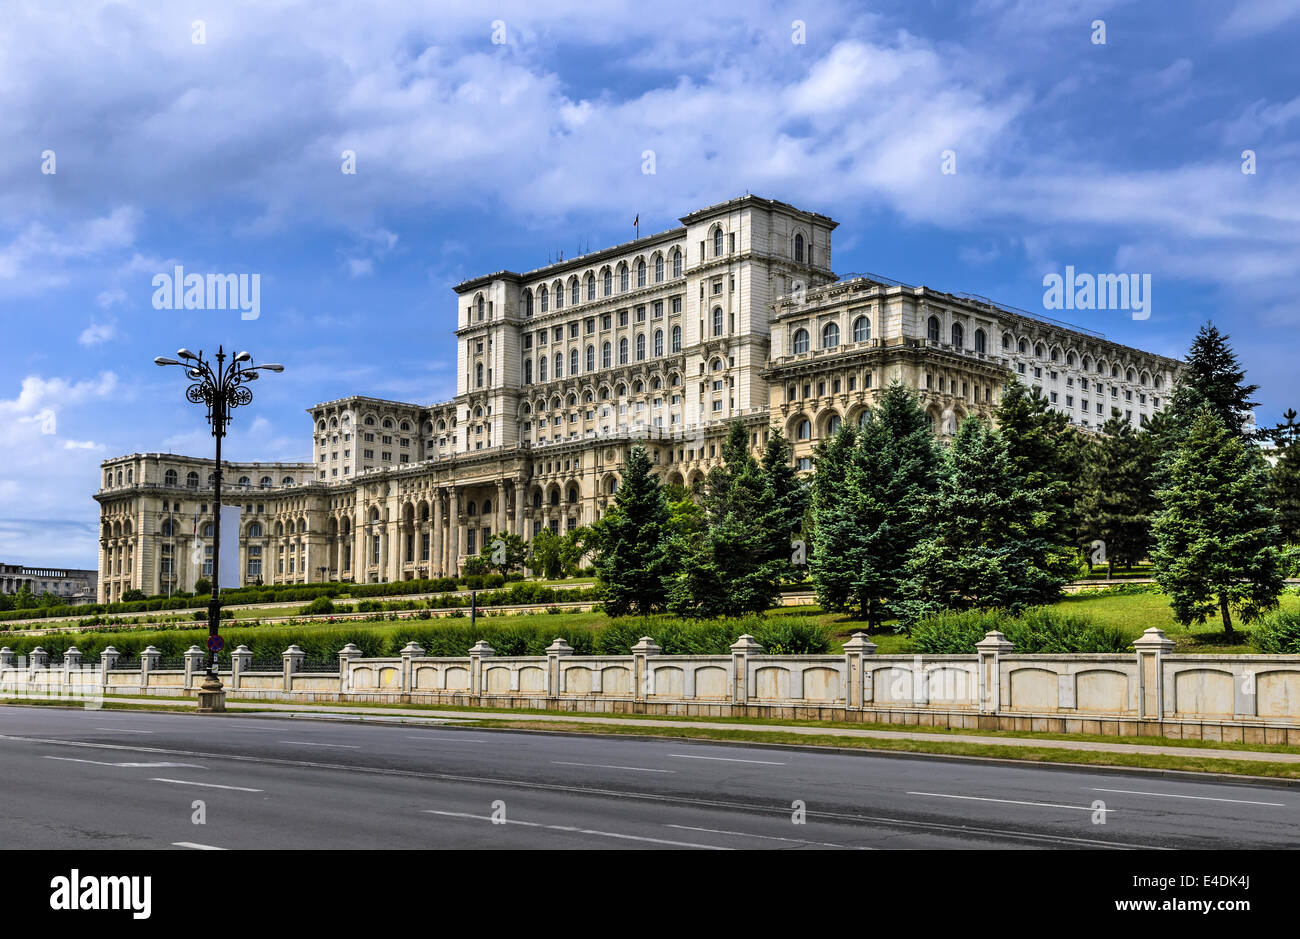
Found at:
[221, 389]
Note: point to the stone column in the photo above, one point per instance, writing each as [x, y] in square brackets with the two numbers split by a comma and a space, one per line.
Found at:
[554, 652]
[499, 525]
[6, 658]
[855, 672]
[107, 662]
[411, 650]
[346, 655]
[993, 645]
[293, 657]
[643, 681]
[519, 508]
[438, 563]
[148, 663]
[240, 660]
[1151, 646]
[741, 650]
[358, 550]
[453, 532]
[71, 664]
[195, 664]
[479, 651]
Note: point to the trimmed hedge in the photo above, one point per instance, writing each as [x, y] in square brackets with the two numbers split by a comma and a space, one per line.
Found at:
[1039, 631]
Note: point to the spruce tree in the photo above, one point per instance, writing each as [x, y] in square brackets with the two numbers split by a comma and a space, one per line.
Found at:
[1284, 492]
[1116, 500]
[1042, 453]
[633, 561]
[790, 501]
[1212, 377]
[832, 561]
[985, 544]
[1216, 537]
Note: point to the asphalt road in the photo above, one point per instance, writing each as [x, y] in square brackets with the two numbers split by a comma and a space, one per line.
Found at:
[76, 779]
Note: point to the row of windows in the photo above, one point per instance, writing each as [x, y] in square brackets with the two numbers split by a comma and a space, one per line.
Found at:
[556, 292]
[800, 341]
[606, 356]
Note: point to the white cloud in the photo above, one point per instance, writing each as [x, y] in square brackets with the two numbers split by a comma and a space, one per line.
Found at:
[97, 333]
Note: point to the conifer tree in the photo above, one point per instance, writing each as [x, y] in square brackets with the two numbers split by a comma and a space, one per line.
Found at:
[833, 560]
[790, 501]
[1216, 537]
[633, 560]
[985, 544]
[1284, 492]
[1116, 499]
[1213, 378]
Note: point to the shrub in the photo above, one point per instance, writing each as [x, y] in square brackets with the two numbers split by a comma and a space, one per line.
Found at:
[1278, 633]
[955, 633]
[1048, 632]
[318, 606]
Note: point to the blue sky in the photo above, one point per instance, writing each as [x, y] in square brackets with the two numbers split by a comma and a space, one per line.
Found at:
[472, 156]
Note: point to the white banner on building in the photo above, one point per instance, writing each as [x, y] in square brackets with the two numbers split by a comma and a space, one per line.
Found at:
[229, 572]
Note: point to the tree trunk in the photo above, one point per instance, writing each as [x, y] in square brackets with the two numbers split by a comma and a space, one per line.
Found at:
[1223, 611]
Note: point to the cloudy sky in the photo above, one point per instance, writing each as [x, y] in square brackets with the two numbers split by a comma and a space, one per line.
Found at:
[490, 136]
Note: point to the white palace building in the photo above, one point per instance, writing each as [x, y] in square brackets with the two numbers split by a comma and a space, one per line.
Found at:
[734, 315]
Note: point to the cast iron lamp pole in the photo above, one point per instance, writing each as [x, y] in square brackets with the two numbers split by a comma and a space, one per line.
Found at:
[222, 390]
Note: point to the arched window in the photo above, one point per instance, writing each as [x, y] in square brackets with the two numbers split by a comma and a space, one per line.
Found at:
[980, 342]
[573, 493]
[480, 306]
[804, 430]
[528, 372]
[543, 297]
[640, 273]
[487, 506]
[717, 243]
[166, 530]
[478, 375]
[799, 344]
[608, 277]
[677, 339]
[640, 346]
[170, 478]
[255, 530]
[472, 508]
[622, 278]
[1022, 347]
[932, 329]
[192, 481]
[541, 369]
[606, 356]
[574, 297]
[834, 424]
[958, 336]
[717, 321]
[798, 248]
[266, 482]
[559, 295]
[555, 497]
[659, 342]
[830, 335]
[559, 365]
[528, 303]
[287, 481]
[677, 263]
[659, 268]
[573, 362]
[591, 358]
[245, 482]
[537, 498]
[591, 286]
[622, 351]
[861, 329]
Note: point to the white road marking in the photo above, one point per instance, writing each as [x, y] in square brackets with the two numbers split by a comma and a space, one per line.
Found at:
[196, 846]
[634, 769]
[746, 834]
[1044, 805]
[333, 746]
[581, 831]
[123, 730]
[1174, 795]
[446, 738]
[188, 782]
[72, 759]
[724, 759]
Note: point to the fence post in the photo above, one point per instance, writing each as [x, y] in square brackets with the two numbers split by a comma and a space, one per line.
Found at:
[993, 645]
[858, 646]
[6, 658]
[477, 653]
[554, 651]
[240, 660]
[148, 663]
[71, 663]
[293, 657]
[107, 662]
[408, 669]
[38, 659]
[741, 650]
[1151, 647]
[346, 654]
[195, 661]
[643, 679]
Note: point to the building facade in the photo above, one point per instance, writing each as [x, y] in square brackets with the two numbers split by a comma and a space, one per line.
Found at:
[664, 341]
[72, 587]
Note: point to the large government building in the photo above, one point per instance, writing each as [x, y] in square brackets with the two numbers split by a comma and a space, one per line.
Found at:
[734, 315]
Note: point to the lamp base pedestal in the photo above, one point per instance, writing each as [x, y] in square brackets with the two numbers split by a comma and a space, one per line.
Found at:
[212, 697]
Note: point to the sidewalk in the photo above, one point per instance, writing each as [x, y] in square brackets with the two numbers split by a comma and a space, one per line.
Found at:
[407, 714]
